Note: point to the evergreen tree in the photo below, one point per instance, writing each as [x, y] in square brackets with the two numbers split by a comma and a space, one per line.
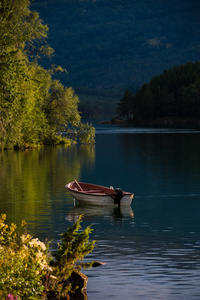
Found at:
[125, 105]
[173, 94]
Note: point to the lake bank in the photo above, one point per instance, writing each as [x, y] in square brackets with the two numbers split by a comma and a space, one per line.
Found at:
[159, 122]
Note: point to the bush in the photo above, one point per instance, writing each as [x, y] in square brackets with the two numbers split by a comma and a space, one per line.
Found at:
[27, 269]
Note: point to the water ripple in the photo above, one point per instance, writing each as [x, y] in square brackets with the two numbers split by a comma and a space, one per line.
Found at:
[125, 130]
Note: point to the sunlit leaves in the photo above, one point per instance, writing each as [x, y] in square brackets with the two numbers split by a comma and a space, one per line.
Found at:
[25, 270]
[23, 261]
[33, 106]
[86, 133]
[74, 247]
[62, 106]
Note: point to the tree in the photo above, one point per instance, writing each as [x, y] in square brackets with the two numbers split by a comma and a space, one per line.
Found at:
[33, 107]
[173, 94]
[29, 271]
[125, 105]
[143, 104]
[20, 93]
[61, 107]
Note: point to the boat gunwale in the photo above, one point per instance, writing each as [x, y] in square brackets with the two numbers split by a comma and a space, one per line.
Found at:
[92, 192]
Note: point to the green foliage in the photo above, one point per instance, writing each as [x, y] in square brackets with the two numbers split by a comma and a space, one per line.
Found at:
[93, 102]
[86, 133]
[33, 106]
[23, 262]
[61, 107]
[22, 84]
[28, 271]
[173, 94]
[73, 248]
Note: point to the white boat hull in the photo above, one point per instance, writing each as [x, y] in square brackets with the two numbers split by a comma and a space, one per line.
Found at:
[99, 198]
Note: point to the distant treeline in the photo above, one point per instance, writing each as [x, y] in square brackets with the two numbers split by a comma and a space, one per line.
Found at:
[173, 94]
[98, 103]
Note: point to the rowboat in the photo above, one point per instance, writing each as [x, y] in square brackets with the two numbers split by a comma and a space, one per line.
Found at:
[98, 195]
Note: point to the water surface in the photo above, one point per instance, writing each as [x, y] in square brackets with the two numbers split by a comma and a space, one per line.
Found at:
[151, 249]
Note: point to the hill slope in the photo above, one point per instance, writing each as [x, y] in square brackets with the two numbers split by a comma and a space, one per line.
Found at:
[120, 43]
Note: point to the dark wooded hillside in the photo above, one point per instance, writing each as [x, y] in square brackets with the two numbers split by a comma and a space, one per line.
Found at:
[120, 44]
[172, 96]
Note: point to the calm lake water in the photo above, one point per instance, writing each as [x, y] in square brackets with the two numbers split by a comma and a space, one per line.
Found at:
[151, 249]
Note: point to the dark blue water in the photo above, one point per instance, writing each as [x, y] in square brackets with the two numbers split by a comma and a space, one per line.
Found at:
[151, 249]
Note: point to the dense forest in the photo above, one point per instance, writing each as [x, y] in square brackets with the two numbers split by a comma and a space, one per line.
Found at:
[173, 96]
[110, 45]
[34, 107]
[120, 43]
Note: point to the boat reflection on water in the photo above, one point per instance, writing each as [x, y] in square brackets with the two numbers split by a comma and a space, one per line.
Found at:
[90, 211]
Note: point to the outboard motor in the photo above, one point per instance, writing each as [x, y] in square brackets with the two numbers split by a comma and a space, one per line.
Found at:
[118, 196]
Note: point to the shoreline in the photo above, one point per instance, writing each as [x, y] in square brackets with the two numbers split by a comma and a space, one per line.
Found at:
[158, 122]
